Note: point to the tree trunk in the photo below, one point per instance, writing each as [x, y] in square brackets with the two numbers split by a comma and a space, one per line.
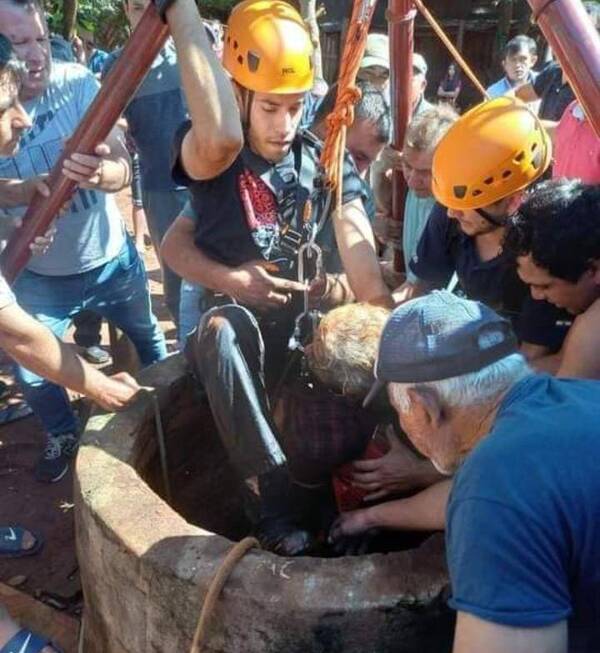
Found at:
[308, 10]
[70, 18]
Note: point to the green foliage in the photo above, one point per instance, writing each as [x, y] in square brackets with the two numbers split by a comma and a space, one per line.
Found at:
[106, 18]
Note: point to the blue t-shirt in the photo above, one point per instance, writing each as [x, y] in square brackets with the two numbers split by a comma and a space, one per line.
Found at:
[90, 232]
[154, 115]
[97, 61]
[523, 534]
[504, 85]
[444, 249]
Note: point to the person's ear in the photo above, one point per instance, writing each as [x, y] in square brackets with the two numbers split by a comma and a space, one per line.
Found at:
[595, 270]
[426, 408]
[514, 202]
[534, 59]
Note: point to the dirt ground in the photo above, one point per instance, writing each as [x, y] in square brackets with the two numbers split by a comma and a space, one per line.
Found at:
[47, 509]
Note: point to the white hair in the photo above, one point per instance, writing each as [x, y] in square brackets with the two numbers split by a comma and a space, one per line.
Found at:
[470, 389]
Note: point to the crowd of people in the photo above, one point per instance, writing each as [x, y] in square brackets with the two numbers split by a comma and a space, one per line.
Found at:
[292, 319]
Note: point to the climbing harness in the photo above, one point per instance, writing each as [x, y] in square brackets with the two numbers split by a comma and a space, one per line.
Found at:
[307, 321]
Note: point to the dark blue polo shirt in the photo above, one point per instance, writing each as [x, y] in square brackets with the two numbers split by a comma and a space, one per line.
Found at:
[444, 249]
[523, 520]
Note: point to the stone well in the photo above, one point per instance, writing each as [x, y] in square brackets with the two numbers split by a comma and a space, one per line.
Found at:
[146, 565]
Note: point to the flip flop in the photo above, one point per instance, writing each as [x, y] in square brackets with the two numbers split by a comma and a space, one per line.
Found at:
[27, 642]
[11, 543]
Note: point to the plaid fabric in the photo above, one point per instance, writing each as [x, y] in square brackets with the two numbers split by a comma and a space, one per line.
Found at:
[321, 430]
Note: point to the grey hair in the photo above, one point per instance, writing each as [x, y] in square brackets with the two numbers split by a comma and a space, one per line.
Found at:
[471, 389]
[427, 129]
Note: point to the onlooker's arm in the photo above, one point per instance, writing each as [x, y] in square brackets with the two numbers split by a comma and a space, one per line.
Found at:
[356, 245]
[581, 349]
[20, 192]
[474, 635]
[36, 348]
[410, 290]
[216, 137]
[424, 511]
[433, 265]
[249, 284]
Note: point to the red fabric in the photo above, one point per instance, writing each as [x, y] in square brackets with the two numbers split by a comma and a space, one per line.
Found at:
[577, 149]
[258, 199]
[347, 496]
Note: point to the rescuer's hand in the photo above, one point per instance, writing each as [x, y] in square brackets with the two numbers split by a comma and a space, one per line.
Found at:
[115, 392]
[399, 470]
[87, 169]
[352, 532]
[41, 244]
[252, 285]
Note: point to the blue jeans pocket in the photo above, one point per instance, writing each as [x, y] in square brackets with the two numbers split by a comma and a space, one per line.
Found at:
[128, 256]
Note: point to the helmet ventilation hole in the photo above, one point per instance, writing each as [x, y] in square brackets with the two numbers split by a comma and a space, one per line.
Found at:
[253, 61]
[489, 181]
[459, 192]
[506, 174]
[235, 45]
[476, 192]
[520, 156]
[240, 60]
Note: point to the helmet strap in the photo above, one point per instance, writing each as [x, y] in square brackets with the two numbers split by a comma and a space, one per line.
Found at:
[495, 220]
[247, 101]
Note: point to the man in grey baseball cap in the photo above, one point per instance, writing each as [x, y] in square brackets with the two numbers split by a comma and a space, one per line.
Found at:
[523, 513]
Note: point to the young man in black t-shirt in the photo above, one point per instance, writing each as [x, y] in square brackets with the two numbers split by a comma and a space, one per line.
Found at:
[252, 179]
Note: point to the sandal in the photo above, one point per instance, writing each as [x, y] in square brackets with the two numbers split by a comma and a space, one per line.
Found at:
[27, 642]
[11, 543]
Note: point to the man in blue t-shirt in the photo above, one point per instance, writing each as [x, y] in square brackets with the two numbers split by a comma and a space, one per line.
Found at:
[519, 58]
[91, 264]
[523, 518]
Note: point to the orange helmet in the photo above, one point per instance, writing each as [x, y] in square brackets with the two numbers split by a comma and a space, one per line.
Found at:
[268, 48]
[494, 150]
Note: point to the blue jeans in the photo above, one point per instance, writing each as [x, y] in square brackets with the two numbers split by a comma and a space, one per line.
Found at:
[190, 311]
[162, 207]
[118, 291]
[238, 362]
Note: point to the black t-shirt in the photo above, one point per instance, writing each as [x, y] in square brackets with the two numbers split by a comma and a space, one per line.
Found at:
[555, 95]
[444, 249]
[238, 214]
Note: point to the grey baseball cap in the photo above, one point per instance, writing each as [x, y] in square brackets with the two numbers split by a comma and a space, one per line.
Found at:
[437, 337]
[377, 51]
